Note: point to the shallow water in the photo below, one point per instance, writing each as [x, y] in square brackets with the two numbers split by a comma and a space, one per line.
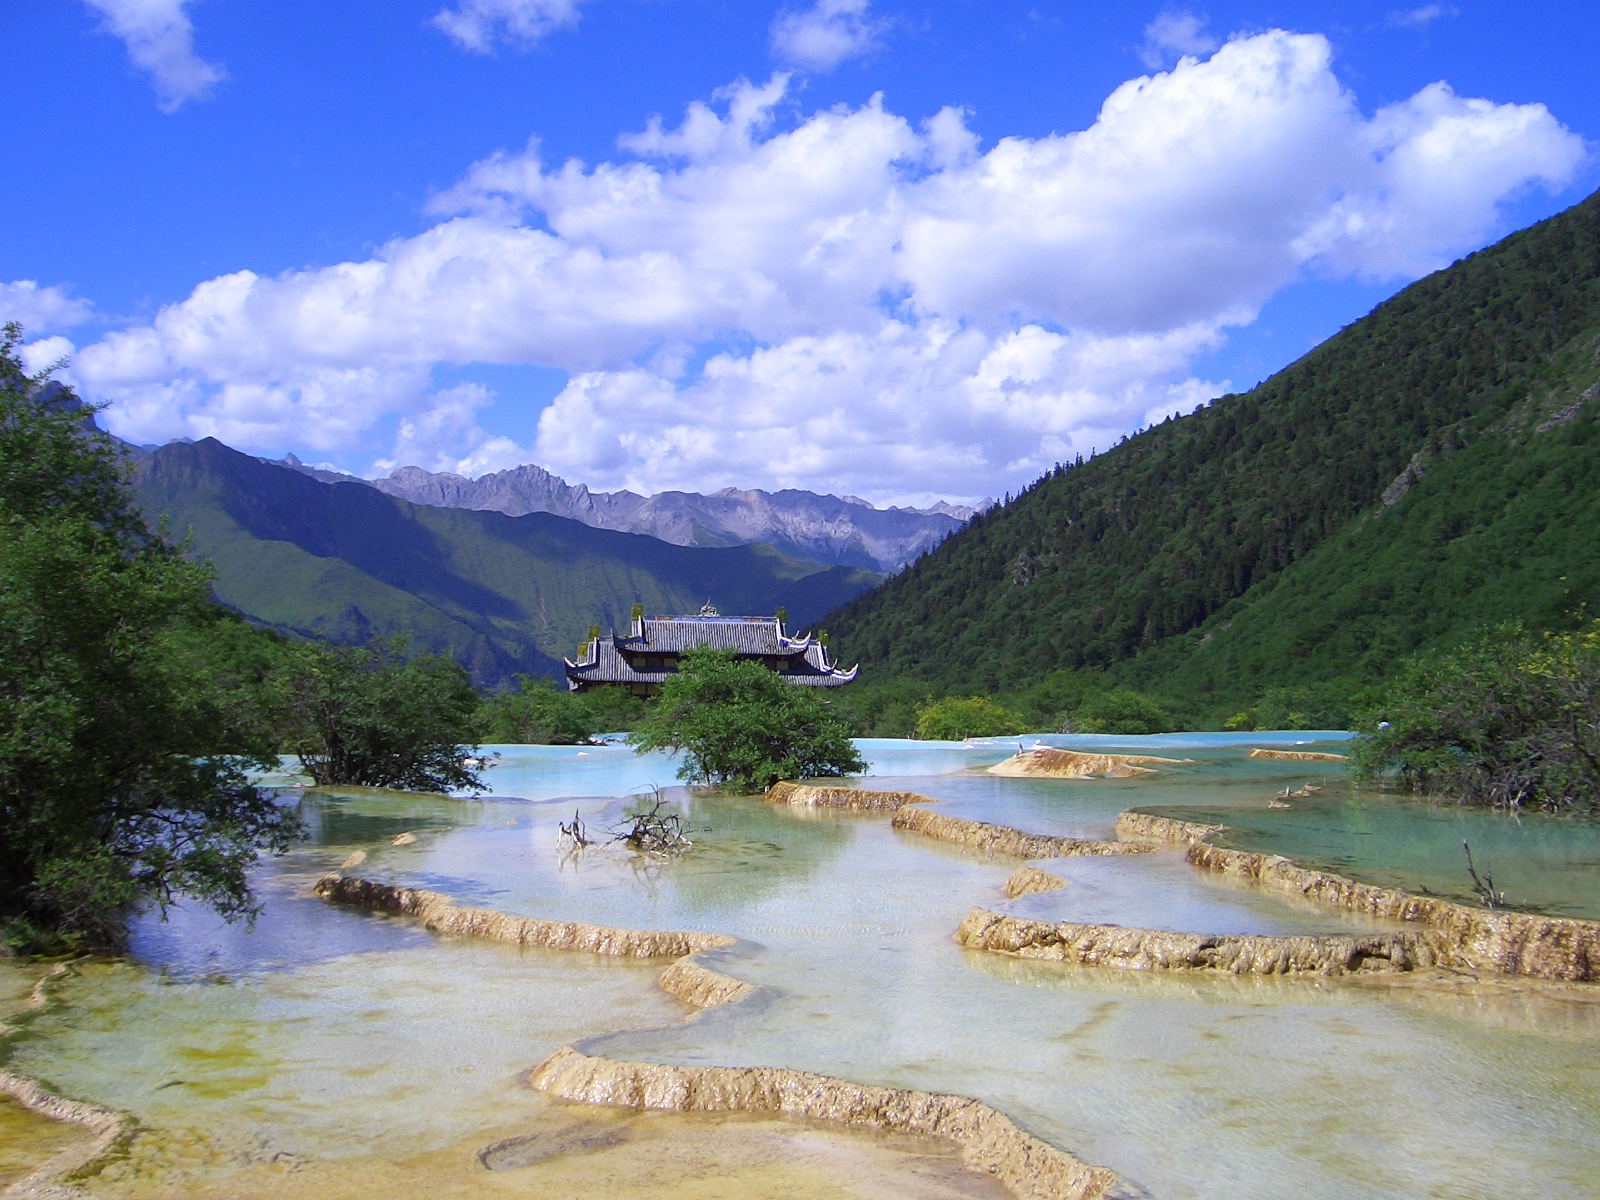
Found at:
[327, 1047]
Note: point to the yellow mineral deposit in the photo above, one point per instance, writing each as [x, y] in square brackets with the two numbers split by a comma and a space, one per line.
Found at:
[1476, 939]
[988, 1140]
[807, 795]
[1002, 839]
[1296, 755]
[1045, 763]
[1027, 881]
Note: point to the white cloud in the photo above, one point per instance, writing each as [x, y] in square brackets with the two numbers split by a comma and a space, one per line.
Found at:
[478, 24]
[444, 436]
[821, 37]
[1419, 18]
[38, 309]
[160, 40]
[40, 356]
[880, 307]
[1173, 35]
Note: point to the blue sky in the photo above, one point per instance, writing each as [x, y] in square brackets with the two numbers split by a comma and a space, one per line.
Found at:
[904, 251]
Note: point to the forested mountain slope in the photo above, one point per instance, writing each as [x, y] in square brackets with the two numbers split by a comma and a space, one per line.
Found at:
[501, 594]
[1248, 535]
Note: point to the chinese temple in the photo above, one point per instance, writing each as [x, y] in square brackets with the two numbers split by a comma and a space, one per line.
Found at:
[642, 659]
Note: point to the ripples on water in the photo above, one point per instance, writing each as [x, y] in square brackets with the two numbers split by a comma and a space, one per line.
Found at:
[329, 1035]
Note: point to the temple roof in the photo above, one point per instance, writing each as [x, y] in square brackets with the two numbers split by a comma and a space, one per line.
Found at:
[628, 659]
[747, 635]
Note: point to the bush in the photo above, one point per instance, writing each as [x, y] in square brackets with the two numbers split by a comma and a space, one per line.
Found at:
[1121, 711]
[543, 713]
[368, 716]
[740, 725]
[1508, 720]
[956, 718]
[536, 714]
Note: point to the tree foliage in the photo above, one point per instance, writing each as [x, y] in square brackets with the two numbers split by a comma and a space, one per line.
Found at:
[1120, 711]
[1509, 719]
[540, 712]
[957, 717]
[369, 716]
[740, 725]
[123, 770]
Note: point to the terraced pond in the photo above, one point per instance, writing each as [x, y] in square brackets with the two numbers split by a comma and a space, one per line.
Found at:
[331, 1051]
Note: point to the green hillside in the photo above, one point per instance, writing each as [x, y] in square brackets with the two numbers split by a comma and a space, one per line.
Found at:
[501, 594]
[1249, 546]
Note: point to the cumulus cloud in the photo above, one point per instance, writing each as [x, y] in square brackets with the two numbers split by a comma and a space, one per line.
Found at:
[160, 41]
[47, 353]
[38, 309]
[875, 306]
[478, 24]
[821, 37]
[443, 435]
[1173, 35]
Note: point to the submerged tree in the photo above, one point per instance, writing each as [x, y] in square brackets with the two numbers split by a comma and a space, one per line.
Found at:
[369, 716]
[740, 725]
[123, 770]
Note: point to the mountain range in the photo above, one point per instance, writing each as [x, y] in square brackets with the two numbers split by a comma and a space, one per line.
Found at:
[502, 594]
[1432, 468]
[833, 530]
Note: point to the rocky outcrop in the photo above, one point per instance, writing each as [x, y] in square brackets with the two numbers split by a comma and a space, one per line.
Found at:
[816, 528]
[1025, 881]
[439, 915]
[1166, 831]
[1506, 943]
[1002, 839]
[1045, 763]
[1297, 755]
[809, 795]
[1160, 950]
[701, 987]
[989, 1141]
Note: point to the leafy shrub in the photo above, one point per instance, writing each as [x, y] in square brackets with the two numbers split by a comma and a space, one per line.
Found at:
[957, 717]
[1508, 720]
[369, 716]
[1121, 711]
[740, 725]
[536, 714]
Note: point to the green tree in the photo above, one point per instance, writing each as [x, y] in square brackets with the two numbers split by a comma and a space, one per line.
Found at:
[1121, 711]
[956, 717]
[537, 714]
[740, 725]
[369, 716]
[1508, 720]
[123, 770]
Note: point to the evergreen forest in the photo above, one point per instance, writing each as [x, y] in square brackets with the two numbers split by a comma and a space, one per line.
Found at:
[1278, 554]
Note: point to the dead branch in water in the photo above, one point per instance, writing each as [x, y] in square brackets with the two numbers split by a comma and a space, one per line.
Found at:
[573, 836]
[1484, 886]
[658, 830]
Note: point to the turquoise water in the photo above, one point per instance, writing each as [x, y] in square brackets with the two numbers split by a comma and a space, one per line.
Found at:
[1188, 1087]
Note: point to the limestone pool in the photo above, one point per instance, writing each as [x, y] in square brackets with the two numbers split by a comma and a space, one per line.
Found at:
[331, 1052]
